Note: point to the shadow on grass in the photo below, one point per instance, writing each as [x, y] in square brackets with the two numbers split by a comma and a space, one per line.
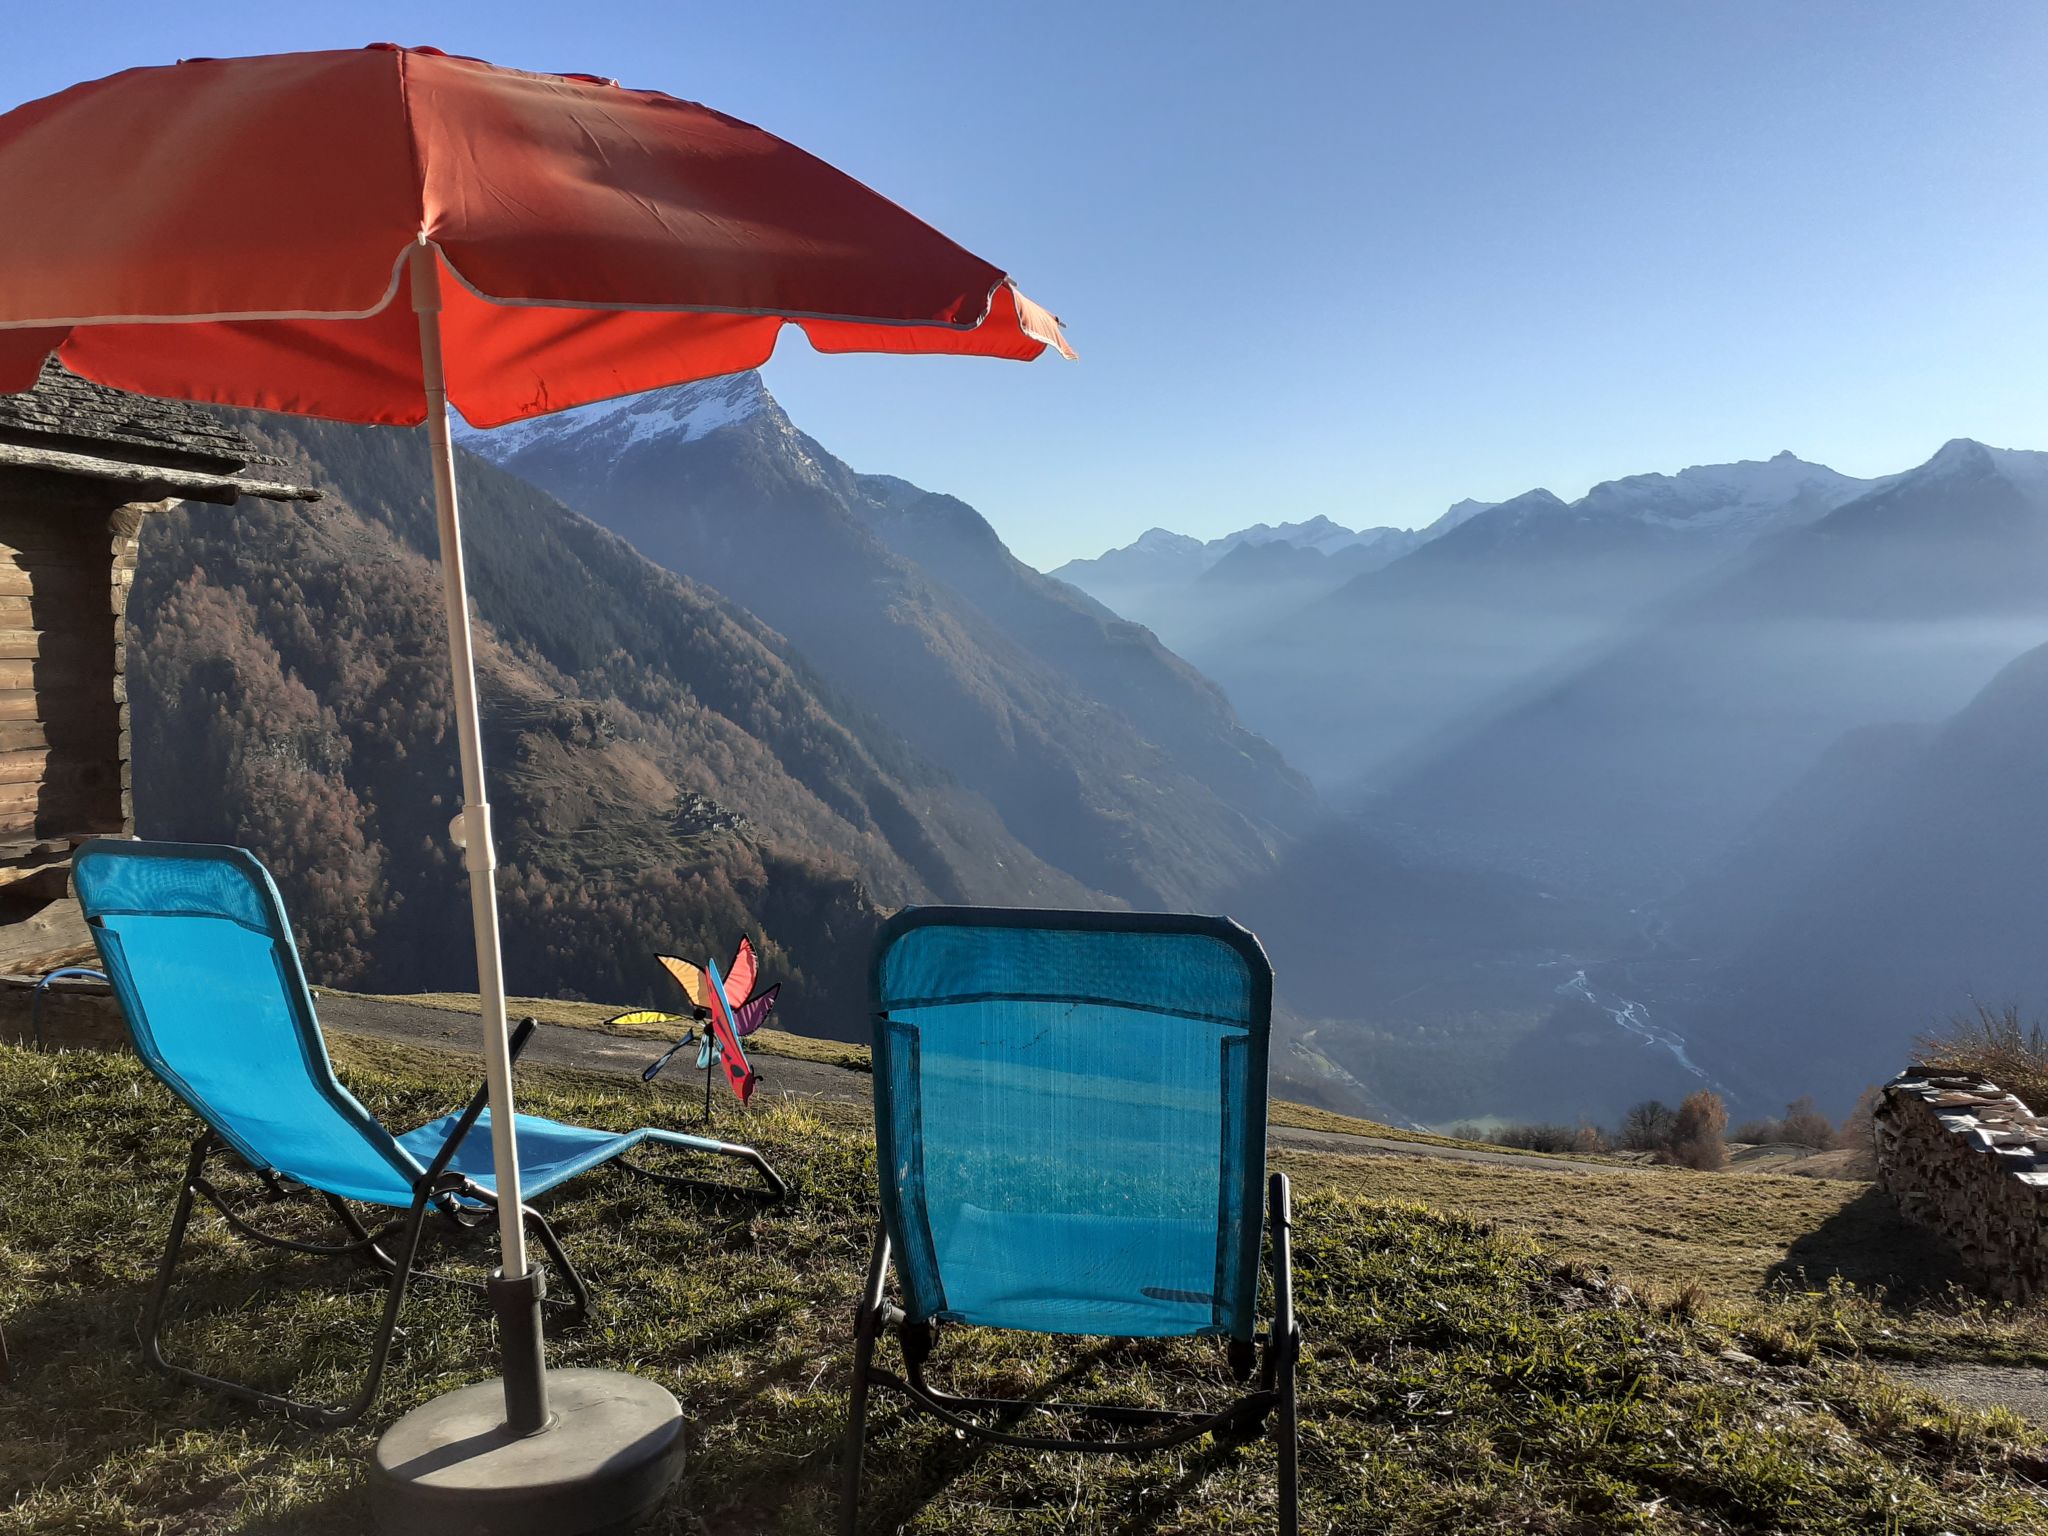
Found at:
[922, 1472]
[944, 1460]
[1871, 1247]
[82, 1380]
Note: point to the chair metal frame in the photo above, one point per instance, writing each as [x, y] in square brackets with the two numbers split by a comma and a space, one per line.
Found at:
[461, 1203]
[1269, 1360]
[438, 1190]
[435, 1190]
[1278, 1352]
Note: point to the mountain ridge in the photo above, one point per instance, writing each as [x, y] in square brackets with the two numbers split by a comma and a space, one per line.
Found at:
[1718, 700]
[1106, 754]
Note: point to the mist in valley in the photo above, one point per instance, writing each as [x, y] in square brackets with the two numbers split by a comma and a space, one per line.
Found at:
[1722, 779]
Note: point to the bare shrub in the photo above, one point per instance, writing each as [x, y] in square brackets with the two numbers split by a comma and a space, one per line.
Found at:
[1699, 1132]
[1993, 1043]
[1537, 1138]
[1646, 1127]
[1803, 1126]
[1857, 1135]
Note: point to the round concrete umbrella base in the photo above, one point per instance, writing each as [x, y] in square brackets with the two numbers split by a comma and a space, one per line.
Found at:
[608, 1457]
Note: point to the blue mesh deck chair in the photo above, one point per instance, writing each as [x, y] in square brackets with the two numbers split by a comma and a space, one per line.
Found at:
[197, 949]
[1070, 1132]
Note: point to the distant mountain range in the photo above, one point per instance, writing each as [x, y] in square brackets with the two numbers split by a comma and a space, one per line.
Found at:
[1625, 769]
[1699, 715]
[1195, 594]
[1725, 502]
[1351, 661]
[1159, 557]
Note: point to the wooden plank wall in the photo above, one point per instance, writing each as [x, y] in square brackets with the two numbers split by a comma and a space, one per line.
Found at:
[64, 579]
[67, 561]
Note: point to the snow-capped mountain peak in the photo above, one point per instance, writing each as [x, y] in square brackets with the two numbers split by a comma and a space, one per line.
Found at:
[681, 413]
[1164, 541]
[1737, 500]
[1965, 458]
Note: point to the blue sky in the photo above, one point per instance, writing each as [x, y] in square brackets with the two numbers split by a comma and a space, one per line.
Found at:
[1354, 259]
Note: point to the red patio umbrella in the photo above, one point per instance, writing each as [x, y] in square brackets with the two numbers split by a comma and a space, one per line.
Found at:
[372, 235]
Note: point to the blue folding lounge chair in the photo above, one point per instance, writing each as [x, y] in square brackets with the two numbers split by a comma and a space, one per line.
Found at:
[196, 946]
[1070, 1131]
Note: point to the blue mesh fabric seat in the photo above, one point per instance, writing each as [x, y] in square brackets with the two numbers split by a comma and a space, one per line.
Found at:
[1070, 1128]
[196, 946]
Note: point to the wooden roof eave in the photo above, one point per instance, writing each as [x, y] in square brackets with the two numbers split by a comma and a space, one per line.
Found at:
[153, 482]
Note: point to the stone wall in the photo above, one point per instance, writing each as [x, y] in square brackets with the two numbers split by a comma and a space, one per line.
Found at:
[1969, 1161]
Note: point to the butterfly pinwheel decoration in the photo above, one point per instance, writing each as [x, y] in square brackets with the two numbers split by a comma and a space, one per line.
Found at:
[726, 1005]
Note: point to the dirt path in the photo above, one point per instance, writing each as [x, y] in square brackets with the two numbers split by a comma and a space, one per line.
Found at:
[2021, 1388]
[558, 1045]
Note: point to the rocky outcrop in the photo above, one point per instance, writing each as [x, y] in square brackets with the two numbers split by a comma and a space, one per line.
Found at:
[1969, 1161]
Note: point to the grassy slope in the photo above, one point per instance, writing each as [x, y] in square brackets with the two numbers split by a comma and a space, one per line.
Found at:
[1456, 1378]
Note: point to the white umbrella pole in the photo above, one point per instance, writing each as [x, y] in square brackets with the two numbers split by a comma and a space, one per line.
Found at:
[478, 854]
[563, 1451]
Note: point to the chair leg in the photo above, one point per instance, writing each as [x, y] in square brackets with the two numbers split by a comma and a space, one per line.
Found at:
[315, 1414]
[579, 1311]
[152, 1317]
[771, 1180]
[1286, 1345]
[776, 1188]
[867, 1324]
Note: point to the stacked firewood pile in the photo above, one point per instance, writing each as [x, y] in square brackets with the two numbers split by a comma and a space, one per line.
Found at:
[1970, 1161]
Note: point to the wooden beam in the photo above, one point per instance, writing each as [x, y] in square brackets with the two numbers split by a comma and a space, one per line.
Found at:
[49, 581]
[57, 929]
[67, 646]
[71, 676]
[58, 775]
[33, 866]
[27, 847]
[152, 481]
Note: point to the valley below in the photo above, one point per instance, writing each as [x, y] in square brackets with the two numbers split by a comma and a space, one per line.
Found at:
[1718, 779]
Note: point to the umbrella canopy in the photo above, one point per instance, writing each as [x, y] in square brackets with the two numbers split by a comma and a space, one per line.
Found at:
[369, 235]
[236, 231]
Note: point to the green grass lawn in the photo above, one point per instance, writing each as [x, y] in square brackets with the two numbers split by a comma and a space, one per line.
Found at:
[1457, 1378]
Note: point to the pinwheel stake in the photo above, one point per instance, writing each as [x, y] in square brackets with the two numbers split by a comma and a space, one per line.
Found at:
[575, 241]
[726, 1022]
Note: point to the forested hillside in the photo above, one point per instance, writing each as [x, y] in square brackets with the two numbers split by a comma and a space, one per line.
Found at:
[665, 770]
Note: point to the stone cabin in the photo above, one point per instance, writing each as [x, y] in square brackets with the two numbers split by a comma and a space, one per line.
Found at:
[80, 467]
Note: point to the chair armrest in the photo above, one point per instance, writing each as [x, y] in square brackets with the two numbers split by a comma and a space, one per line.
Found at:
[520, 1035]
